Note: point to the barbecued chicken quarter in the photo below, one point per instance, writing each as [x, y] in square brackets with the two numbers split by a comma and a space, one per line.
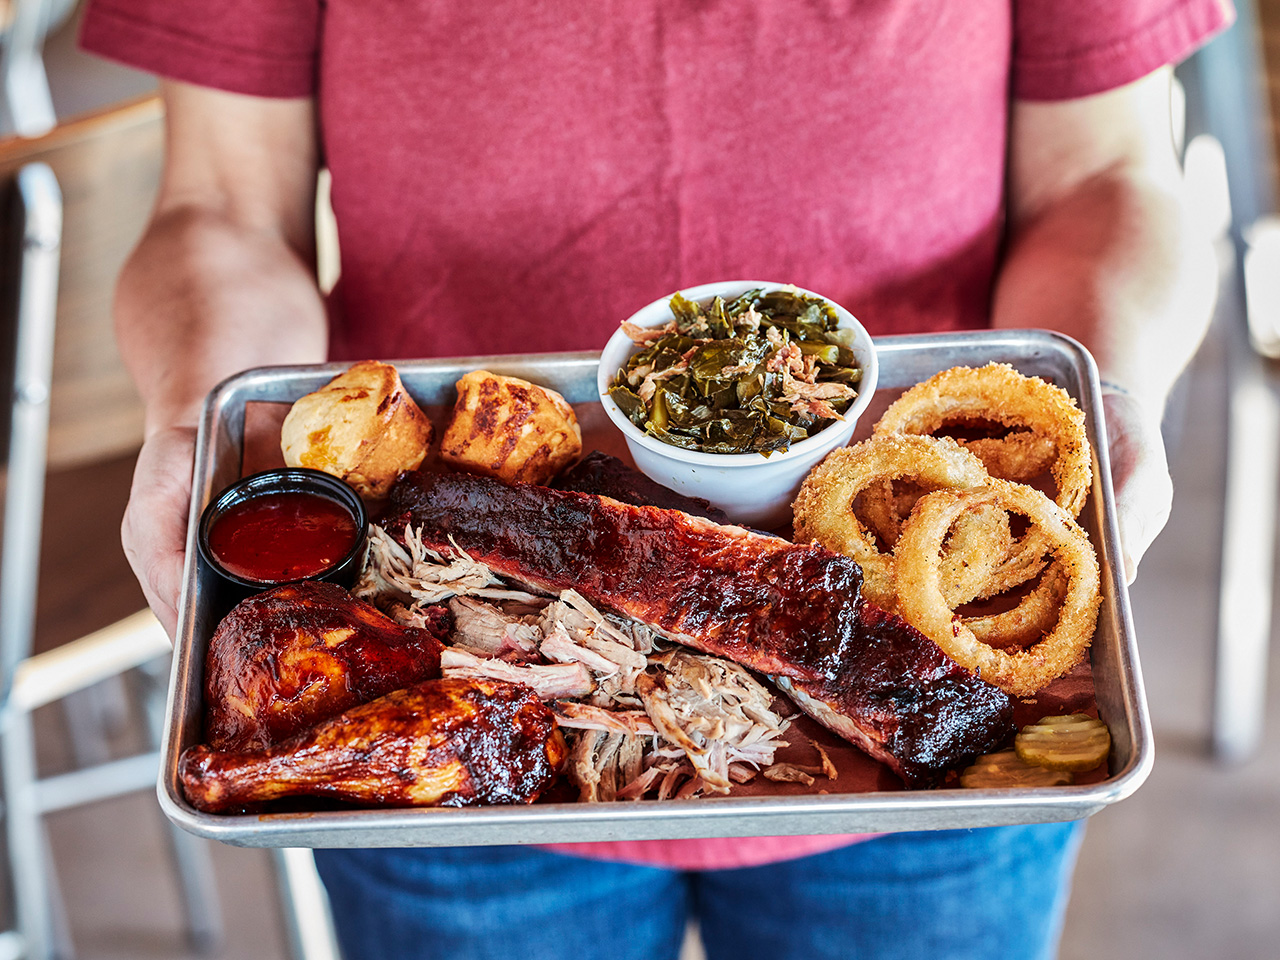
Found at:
[789, 610]
[437, 743]
[284, 660]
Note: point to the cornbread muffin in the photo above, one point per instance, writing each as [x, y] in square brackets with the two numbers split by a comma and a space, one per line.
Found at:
[509, 428]
[361, 427]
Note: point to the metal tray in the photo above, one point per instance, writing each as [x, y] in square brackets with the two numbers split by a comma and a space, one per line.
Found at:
[904, 361]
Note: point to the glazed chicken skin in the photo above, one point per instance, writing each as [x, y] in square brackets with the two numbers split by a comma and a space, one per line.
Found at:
[286, 659]
[438, 743]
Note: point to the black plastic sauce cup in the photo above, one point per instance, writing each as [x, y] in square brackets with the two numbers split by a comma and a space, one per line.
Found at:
[344, 571]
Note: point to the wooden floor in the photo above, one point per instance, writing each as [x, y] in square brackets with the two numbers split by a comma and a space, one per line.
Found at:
[1188, 868]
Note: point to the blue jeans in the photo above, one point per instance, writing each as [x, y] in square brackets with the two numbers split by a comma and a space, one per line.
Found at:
[993, 894]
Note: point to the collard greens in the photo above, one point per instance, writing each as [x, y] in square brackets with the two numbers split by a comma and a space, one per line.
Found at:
[750, 375]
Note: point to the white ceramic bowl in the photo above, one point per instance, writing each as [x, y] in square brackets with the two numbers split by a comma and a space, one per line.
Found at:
[751, 488]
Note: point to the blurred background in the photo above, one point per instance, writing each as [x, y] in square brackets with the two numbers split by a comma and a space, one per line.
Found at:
[1189, 867]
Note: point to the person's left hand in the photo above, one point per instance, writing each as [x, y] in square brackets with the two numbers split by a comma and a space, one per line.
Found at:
[1139, 473]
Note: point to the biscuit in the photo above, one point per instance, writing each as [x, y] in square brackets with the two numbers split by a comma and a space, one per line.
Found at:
[509, 428]
[362, 427]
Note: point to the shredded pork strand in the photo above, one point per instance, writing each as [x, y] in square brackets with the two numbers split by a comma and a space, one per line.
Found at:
[646, 335]
[485, 629]
[647, 385]
[642, 784]
[630, 633]
[791, 773]
[813, 397]
[582, 768]
[748, 322]
[799, 380]
[414, 616]
[548, 681]
[584, 716]
[607, 766]
[575, 632]
[828, 767]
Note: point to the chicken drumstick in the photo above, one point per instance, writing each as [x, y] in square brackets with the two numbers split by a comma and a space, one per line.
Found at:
[439, 743]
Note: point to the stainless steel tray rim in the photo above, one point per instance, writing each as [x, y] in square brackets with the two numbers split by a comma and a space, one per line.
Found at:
[768, 815]
[574, 374]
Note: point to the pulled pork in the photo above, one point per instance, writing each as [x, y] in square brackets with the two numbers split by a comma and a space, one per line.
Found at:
[640, 721]
[714, 711]
[416, 576]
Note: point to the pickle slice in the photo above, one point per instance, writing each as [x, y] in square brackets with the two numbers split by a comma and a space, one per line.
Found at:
[1074, 742]
[1004, 769]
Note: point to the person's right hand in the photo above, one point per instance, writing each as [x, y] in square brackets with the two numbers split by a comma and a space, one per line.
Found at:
[1139, 472]
[154, 530]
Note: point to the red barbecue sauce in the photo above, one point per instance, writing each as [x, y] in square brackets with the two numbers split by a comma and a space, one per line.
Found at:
[278, 537]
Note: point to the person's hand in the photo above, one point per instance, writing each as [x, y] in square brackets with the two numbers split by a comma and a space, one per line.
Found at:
[154, 530]
[1140, 474]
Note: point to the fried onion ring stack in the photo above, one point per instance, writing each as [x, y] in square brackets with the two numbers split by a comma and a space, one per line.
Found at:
[942, 538]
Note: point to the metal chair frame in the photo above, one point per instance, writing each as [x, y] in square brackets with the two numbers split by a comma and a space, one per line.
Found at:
[28, 681]
[26, 99]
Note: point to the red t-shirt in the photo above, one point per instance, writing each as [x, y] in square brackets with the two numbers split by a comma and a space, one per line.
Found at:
[520, 175]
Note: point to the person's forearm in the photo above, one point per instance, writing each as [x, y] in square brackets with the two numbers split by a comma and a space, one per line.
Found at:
[203, 298]
[1113, 264]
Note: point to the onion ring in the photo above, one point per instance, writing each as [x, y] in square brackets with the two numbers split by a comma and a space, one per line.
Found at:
[1001, 394]
[973, 553]
[976, 561]
[1038, 414]
[882, 511]
[1020, 455]
[823, 509]
[1025, 624]
[920, 599]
